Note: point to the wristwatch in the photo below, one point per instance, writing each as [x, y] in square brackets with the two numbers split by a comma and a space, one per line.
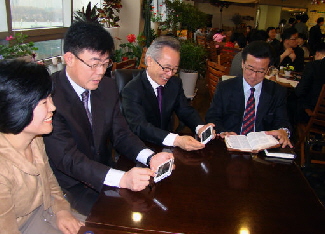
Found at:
[149, 159]
[286, 130]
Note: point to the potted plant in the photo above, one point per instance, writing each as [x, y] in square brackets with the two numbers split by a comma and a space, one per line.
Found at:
[90, 14]
[109, 13]
[192, 62]
[18, 48]
[287, 70]
[180, 15]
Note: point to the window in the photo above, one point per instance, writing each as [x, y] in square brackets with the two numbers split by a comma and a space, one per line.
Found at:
[36, 14]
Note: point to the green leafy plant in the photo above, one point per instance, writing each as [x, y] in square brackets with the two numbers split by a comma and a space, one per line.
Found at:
[17, 47]
[131, 49]
[90, 14]
[192, 57]
[108, 14]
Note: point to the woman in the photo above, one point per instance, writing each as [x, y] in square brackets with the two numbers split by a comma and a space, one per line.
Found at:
[30, 197]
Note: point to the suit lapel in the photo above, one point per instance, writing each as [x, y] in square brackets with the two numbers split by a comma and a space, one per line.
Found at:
[98, 114]
[264, 103]
[76, 107]
[151, 97]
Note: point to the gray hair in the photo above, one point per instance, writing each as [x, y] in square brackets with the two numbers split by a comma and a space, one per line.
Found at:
[154, 50]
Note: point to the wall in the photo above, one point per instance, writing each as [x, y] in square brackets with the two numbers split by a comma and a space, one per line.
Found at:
[269, 16]
[131, 18]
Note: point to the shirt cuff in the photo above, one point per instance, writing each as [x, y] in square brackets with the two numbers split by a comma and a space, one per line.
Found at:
[113, 177]
[170, 139]
[198, 128]
[143, 156]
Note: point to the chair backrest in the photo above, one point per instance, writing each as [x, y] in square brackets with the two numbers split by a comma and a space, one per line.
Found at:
[201, 40]
[315, 125]
[126, 64]
[142, 64]
[213, 52]
[123, 76]
[316, 122]
[213, 75]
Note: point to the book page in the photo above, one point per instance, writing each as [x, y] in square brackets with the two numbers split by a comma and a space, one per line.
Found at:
[259, 140]
[238, 142]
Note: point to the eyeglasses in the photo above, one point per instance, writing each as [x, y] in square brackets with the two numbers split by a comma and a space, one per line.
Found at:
[256, 72]
[96, 65]
[167, 69]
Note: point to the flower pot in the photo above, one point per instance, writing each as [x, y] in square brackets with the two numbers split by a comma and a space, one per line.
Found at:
[287, 73]
[189, 83]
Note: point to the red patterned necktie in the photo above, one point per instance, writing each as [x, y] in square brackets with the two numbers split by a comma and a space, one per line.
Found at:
[249, 115]
[160, 90]
[85, 98]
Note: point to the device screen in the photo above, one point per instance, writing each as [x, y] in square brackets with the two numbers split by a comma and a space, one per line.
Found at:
[206, 134]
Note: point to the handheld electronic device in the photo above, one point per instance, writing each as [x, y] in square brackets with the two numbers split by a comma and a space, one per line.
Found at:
[206, 135]
[164, 170]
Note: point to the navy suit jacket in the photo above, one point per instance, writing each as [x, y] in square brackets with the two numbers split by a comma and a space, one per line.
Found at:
[140, 107]
[79, 152]
[228, 106]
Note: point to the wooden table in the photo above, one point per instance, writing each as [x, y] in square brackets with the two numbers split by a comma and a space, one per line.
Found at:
[213, 191]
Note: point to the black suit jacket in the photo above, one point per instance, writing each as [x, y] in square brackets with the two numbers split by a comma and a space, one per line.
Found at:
[140, 107]
[78, 152]
[298, 63]
[311, 83]
[228, 106]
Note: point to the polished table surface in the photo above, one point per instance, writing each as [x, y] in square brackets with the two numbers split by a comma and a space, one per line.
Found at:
[214, 191]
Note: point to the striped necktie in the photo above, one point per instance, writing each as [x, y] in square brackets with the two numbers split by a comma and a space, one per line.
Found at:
[249, 115]
[85, 98]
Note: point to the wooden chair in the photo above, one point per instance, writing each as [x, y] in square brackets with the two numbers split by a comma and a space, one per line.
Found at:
[126, 64]
[142, 64]
[201, 40]
[226, 56]
[214, 73]
[213, 52]
[313, 133]
[309, 59]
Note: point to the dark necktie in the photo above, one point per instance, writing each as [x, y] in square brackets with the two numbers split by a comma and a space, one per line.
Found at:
[85, 98]
[160, 91]
[249, 115]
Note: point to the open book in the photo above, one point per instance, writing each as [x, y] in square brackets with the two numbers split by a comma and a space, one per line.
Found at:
[253, 142]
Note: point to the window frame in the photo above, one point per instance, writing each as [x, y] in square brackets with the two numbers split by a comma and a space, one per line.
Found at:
[41, 34]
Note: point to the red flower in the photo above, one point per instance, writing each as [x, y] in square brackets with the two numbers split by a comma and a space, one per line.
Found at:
[131, 38]
[124, 58]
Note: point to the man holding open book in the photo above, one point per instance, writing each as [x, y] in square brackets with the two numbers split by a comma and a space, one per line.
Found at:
[251, 103]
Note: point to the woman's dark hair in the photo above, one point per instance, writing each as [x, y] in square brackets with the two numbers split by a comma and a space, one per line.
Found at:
[288, 33]
[22, 86]
[320, 19]
[269, 29]
[259, 49]
[90, 36]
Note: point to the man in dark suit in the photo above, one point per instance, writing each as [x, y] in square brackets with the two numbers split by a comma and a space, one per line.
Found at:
[315, 35]
[310, 85]
[228, 105]
[141, 105]
[88, 117]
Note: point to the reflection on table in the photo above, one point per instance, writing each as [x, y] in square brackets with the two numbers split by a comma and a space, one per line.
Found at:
[214, 191]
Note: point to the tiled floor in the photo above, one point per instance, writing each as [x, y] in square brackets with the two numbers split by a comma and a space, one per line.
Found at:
[315, 174]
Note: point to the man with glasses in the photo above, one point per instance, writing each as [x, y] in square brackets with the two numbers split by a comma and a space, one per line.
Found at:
[88, 118]
[268, 110]
[150, 99]
[290, 53]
